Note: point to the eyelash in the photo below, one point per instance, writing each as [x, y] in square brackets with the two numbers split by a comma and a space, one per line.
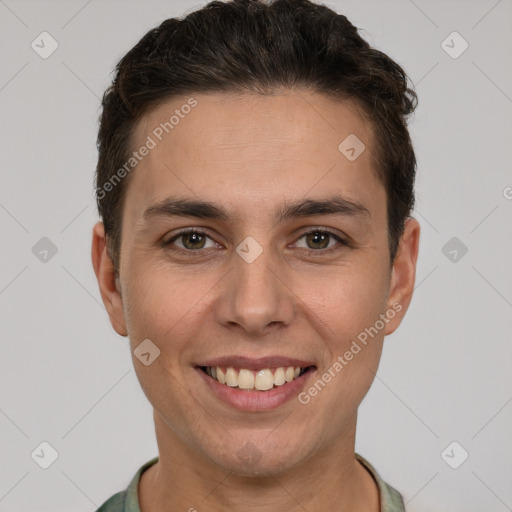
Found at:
[191, 252]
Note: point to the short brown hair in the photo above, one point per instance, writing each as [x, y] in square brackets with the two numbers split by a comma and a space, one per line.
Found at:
[259, 47]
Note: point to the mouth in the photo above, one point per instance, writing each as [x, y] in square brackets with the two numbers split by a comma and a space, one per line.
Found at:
[263, 379]
[255, 384]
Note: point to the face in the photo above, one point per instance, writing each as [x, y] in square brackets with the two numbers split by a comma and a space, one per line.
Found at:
[251, 242]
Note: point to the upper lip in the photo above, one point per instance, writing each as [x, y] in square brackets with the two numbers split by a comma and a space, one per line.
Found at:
[258, 363]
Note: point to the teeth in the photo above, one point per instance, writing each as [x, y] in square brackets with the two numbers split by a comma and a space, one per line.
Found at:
[245, 379]
[262, 380]
[279, 377]
[231, 378]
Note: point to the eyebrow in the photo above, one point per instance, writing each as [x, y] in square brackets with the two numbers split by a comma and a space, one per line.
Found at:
[334, 205]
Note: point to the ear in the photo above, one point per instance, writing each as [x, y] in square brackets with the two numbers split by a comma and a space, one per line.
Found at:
[109, 286]
[403, 274]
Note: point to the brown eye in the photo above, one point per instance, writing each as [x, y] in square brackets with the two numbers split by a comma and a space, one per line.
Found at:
[318, 240]
[193, 240]
[190, 240]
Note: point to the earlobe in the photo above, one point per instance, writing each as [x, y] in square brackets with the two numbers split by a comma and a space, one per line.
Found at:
[403, 274]
[108, 283]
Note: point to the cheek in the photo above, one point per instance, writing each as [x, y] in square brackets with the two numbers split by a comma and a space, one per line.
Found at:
[164, 309]
[169, 309]
[352, 346]
[158, 299]
[347, 299]
[350, 302]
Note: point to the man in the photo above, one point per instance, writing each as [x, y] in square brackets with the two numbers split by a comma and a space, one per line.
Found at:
[255, 184]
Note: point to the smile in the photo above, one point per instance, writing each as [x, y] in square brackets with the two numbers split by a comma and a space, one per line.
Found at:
[255, 384]
[250, 380]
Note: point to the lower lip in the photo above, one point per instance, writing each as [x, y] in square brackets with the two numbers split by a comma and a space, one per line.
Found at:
[253, 401]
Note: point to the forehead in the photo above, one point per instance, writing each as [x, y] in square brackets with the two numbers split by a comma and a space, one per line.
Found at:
[226, 122]
[258, 148]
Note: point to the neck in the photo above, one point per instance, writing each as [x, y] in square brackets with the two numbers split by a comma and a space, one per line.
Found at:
[184, 480]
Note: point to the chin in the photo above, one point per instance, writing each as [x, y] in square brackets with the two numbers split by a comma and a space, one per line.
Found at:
[248, 457]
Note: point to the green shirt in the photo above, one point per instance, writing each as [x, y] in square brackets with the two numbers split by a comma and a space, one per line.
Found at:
[128, 500]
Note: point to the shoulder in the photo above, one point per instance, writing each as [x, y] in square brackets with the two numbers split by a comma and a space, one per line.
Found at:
[114, 504]
[390, 499]
[127, 500]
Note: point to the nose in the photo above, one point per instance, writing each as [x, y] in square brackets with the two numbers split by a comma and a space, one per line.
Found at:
[256, 296]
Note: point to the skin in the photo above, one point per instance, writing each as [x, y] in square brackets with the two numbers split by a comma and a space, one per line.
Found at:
[250, 154]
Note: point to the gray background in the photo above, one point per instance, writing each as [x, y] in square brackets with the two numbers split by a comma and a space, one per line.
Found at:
[66, 377]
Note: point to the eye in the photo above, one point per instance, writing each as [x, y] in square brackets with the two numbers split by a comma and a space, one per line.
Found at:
[190, 240]
[321, 240]
[315, 241]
